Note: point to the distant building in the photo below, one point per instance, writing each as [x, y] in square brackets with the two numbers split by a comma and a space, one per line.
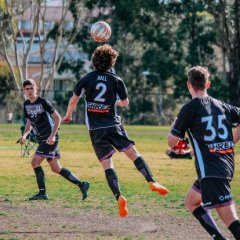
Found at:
[52, 14]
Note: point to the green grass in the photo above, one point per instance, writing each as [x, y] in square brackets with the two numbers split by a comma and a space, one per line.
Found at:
[17, 179]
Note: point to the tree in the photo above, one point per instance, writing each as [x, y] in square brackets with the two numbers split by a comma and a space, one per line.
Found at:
[195, 37]
[6, 82]
[227, 22]
[17, 43]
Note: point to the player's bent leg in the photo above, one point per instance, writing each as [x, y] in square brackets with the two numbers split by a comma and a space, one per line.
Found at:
[132, 153]
[40, 177]
[71, 177]
[55, 165]
[229, 216]
[143, 167]
[36, 161]
[113, 183]
[194, 205]
[107, 163]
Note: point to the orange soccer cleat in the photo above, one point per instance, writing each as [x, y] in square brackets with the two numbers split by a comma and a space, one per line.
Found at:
[122, 206]
[156, 187]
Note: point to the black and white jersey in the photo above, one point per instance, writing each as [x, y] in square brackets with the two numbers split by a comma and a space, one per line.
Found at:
[101, 90]
[39, 115]
[209, 122]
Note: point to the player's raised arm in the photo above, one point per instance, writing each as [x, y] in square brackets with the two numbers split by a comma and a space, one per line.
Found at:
[71, 107]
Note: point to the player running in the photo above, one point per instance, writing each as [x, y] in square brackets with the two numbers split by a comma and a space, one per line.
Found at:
[37, 111]
[208, 122]
[104, 91]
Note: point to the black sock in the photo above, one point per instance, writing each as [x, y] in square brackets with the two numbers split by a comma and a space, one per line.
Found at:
[207, 221]
[112, 180]
[143, 167]
[70, 176]
[40, 179]
[235, 229]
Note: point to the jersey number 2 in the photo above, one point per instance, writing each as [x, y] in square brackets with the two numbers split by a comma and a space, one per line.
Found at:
[213, 131]
[103, 89]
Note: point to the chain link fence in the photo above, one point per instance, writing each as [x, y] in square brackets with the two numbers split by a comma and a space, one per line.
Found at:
[145, 108]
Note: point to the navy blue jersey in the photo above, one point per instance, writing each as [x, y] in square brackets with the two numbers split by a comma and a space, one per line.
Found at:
[39, 115]
[101, 90]
[209, 122]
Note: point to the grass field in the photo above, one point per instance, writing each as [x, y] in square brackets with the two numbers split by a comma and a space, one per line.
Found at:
[17, 182]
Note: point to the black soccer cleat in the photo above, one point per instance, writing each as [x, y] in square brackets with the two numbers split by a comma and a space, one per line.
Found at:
[84, 189]
[39, 196]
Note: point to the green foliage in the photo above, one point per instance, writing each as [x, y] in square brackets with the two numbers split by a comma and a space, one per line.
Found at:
[53, 33]
[74, 9]
[6, 82]
[62, 99]
[6, 32]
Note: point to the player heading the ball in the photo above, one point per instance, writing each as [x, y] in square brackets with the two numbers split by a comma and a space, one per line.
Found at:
[104, 91]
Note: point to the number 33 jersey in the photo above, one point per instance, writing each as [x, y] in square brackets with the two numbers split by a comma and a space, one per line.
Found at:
[101, 90]
[209, 123]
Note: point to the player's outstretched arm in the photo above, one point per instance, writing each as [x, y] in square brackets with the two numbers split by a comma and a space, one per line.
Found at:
[71, 107]
[122, 103]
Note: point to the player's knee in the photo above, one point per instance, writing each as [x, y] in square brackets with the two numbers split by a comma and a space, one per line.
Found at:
[187, 203]
[35, 163]
[132, 153]
[190, 204]
[56, 169]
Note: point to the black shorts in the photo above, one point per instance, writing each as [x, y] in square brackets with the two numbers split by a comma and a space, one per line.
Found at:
[104, 141]
[48, 151]
[216, 192]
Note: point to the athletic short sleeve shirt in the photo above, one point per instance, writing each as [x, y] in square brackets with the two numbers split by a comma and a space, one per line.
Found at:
[209, 122]
[101, 90]
[39, 114]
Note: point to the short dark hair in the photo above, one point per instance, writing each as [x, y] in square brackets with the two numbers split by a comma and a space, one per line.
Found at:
[198, 77]
[28, 82]
[104, 58]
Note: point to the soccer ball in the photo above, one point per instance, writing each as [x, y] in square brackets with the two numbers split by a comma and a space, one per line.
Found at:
[101, 31]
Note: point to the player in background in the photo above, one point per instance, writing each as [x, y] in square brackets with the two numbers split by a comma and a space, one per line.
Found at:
[37, 111]
[104, 91]
[208, 122]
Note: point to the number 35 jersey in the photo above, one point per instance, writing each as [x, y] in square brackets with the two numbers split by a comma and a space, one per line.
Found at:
[101, 90]
[209, 123]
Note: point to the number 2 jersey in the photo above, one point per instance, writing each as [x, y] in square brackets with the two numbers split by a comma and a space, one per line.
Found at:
[101, 90]
[39, 113]
[209, 123]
